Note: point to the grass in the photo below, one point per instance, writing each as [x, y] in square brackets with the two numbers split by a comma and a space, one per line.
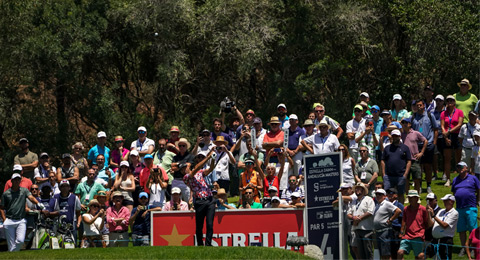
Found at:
[164, 252]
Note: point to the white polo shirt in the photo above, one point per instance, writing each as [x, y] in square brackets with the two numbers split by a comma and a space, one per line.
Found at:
[366, 204]
[451, 217]
[139, 146]
[353, 126]
[321, 144]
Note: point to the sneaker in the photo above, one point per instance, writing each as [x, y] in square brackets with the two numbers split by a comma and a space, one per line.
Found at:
[462, 252]
[444, 177]
[447, 184]
[429, 189]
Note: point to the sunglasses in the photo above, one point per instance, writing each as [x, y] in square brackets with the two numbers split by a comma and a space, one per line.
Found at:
[358, 111]
[141, 132]
[363, 151]
[319, 111]
[248, 192]
[143, 198]
[249, 163]
[343, 149]
[77, 148]
[374, 111]
[119, 142]
[292, 180]
[34, 188]
[182, 145]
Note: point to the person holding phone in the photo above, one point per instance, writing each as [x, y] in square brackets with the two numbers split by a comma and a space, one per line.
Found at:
[222, 160]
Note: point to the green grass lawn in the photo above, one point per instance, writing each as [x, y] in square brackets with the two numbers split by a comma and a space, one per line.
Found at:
[164, 252]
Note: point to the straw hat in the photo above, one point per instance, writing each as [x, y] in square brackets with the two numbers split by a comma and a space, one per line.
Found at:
[183, 140]
[220, 140]
[465, 82]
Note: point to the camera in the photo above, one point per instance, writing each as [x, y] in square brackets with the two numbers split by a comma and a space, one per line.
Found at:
[226, 105]
[182, 165]
[277, 150]
[214, 155]
[156, 170]
[219, 149]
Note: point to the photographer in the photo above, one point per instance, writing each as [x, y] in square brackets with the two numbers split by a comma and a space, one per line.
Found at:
[180, 162]
[157, 185]
[222, 160]
[204, 143]
[176, 203]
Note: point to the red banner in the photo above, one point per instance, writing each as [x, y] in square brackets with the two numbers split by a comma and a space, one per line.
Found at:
[268, 228]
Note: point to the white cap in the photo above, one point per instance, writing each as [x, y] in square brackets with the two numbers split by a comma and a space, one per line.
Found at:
[124, 163]
[142, 128]
[134, 152]
[16, 175]
[431, 196]
[381, 191]
[396, 132]
[281, 105]
[293, 116]
[101, 134]
[17, 167]
[272, 188]
[176, 190]
[439, 97]
[397, 96]
[365, 94]
[448, 197]
[64, 182]
[296, 194]
[275, 198]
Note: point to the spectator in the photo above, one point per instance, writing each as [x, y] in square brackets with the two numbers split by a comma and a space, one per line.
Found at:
[164, 158]
[68, 205]
[451, 121]
[180, 162]
[250, 178]
[466, 139]
[125, 183]
[398, 110]
[105, 173]
[176, 203]
[222, 160]
[368, 139]
[24, 182]
[425, 123]
[119, 154]
[250, 154]
[68, 172]
[384, 215]
[157, 184]
[474, 243]
[248, 201]
[349, 198]
[52, 183]
[354, 126]
[428, 100]
[140, 222]
[333, 125]
[439, 108]
[143, 144]
[445, 222]
[475, 163]
[222, 200]
[414, 141]
[415, 221]
[292, 187]
[260, 134]
[27, 159]
[465, 100]
[87, 190]
[366, 171]
[174, 138]
[464, 186]
[348, 165]
[272, 180]
[249, 118]
[282, 116]
[396, 162]
[274, 138]
[235, 121]
[43, 169]
[397, 223]
[296, 200]
[31, 208]
[217, 131]
[276, 202]
[93, 223]
[12, 212]
[136, 168]
[78, 160]
[118, 218]
[294, 146]
[362, 217]
[431, 204]
[98, 149]
[273, 193]
[322, 142]
[101, 197]
[204, 143]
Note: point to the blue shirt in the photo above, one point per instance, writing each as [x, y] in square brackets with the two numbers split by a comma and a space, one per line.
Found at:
[211, 178]
[377, 125]
[294, 138]
[398, 221]
[425, 126]
[396, 158]
[104, 176]
[96, 150]
[227, 138]
[465, 190]
[141, 226]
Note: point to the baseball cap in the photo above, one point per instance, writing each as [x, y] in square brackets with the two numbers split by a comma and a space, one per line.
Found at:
[407, 119]
[397, 96]
[472, 113]
[143, 194]
[117, 194]
[249, 160]
[431, 196]
[462, 164]
[375, 107]
[148, 156]
[396, 132]
[119, 138]
[365, 94]
[448, 197]
[124, 163]
[275, 198]
[450, 97]
[440, 97]
[293, 117]
[176, 190]
[17, 167]
[257, 120]
[65, 155]
[44, 154]
[134, 152]
[272, 188]
[64, 182]
[23, 140]
[295, 194]
[102, 193]
[250, 111]
[142, 128]
[412, 193]
[281, 105]
[381, 191]
[385, 112]
[16, 175]
[174, 129]
[205, 131]
[101, 134]
[392, 191]
[358, 107]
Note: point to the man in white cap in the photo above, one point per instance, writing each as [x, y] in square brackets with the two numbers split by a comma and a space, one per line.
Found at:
[323, 141]
[99, 148]
[395, 165]
[361, 215]
[294, 146]
[320, 115]
[445, 223]
[12, 212]
[384, 215]
[282, 116]
[24, 183]
[432, 203]
[143, 144]
[67, 204]
[26, 158]
[356, 125]
[415, 220]
[176, 203]
[439, 108]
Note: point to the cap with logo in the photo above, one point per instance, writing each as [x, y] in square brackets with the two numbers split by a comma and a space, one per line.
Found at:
[101, 134]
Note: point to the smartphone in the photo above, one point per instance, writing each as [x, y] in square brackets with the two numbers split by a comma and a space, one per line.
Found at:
[277, 150]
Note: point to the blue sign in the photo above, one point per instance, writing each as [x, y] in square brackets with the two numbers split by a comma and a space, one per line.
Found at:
[323, 174]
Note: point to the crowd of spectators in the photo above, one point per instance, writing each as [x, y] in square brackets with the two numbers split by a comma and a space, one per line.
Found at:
[103, 191]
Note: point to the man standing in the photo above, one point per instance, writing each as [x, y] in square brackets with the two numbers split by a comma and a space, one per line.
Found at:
[143, 144]
[282, 116]
[414, 140]
[222, 160]
[415, 221]
[323, 141]
[464, 186]
[431, 204]
[68, 205]
[99, 148]
[320, 115]
[357, 124]
[444, 226]
[203, 200]
[425, 123]
[397, 223]
[24, 183]
[87, 190]
[396, 162]
[274, 138]
[217, 131]
[12, 211]
[294, 146]
[384, 215]
[377, 126]
[27, 159]
[361, 215]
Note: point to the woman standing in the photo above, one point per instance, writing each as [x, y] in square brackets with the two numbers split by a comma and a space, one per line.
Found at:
[451, 121]
[157, 185]
[78, 160]
[465, 100]
[398, 110]
[125, 182]
[348, 165]
[93, 223]
[119, 154]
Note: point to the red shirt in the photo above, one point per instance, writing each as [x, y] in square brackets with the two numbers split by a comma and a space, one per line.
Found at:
[415, 221]
[145, 173]
[267, 183]
[24, 183]
[273, 137]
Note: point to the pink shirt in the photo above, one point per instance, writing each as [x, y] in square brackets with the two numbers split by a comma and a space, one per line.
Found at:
[451, 120]
[113, 214]
[116, 157]
[412, 139]
[169, 206]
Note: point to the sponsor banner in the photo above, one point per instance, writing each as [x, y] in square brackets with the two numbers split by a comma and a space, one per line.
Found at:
[266, 227]
[322, 179]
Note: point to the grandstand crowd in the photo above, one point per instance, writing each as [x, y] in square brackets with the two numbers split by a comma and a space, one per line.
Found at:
[392, 152]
